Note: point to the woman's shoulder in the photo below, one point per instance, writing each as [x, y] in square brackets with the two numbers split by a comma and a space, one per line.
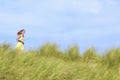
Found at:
[20, 35]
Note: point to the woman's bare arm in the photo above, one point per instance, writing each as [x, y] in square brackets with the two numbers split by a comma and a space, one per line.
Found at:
[18, 37]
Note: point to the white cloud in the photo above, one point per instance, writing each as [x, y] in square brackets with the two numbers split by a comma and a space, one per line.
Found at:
[88, 6]
[111, 2]
[46, 13]
[81, 6]
[21, 19]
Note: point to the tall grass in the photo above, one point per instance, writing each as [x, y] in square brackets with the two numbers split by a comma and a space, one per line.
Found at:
[50, 63]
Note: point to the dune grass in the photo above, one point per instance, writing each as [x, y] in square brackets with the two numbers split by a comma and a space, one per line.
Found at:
[50, 63]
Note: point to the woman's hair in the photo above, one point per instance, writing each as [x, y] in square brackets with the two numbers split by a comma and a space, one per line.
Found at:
[20, 32]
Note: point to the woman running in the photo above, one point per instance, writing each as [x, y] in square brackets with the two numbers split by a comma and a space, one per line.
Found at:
[20, 39]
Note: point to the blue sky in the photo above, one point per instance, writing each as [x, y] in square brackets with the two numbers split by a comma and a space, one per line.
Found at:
[65, 22]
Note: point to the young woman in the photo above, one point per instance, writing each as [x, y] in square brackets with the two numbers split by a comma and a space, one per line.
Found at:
[20, 39]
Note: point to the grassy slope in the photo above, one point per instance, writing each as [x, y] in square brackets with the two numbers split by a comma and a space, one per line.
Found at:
[49, 63]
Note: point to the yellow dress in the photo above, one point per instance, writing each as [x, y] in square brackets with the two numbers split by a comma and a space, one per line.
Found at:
[20, 45]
